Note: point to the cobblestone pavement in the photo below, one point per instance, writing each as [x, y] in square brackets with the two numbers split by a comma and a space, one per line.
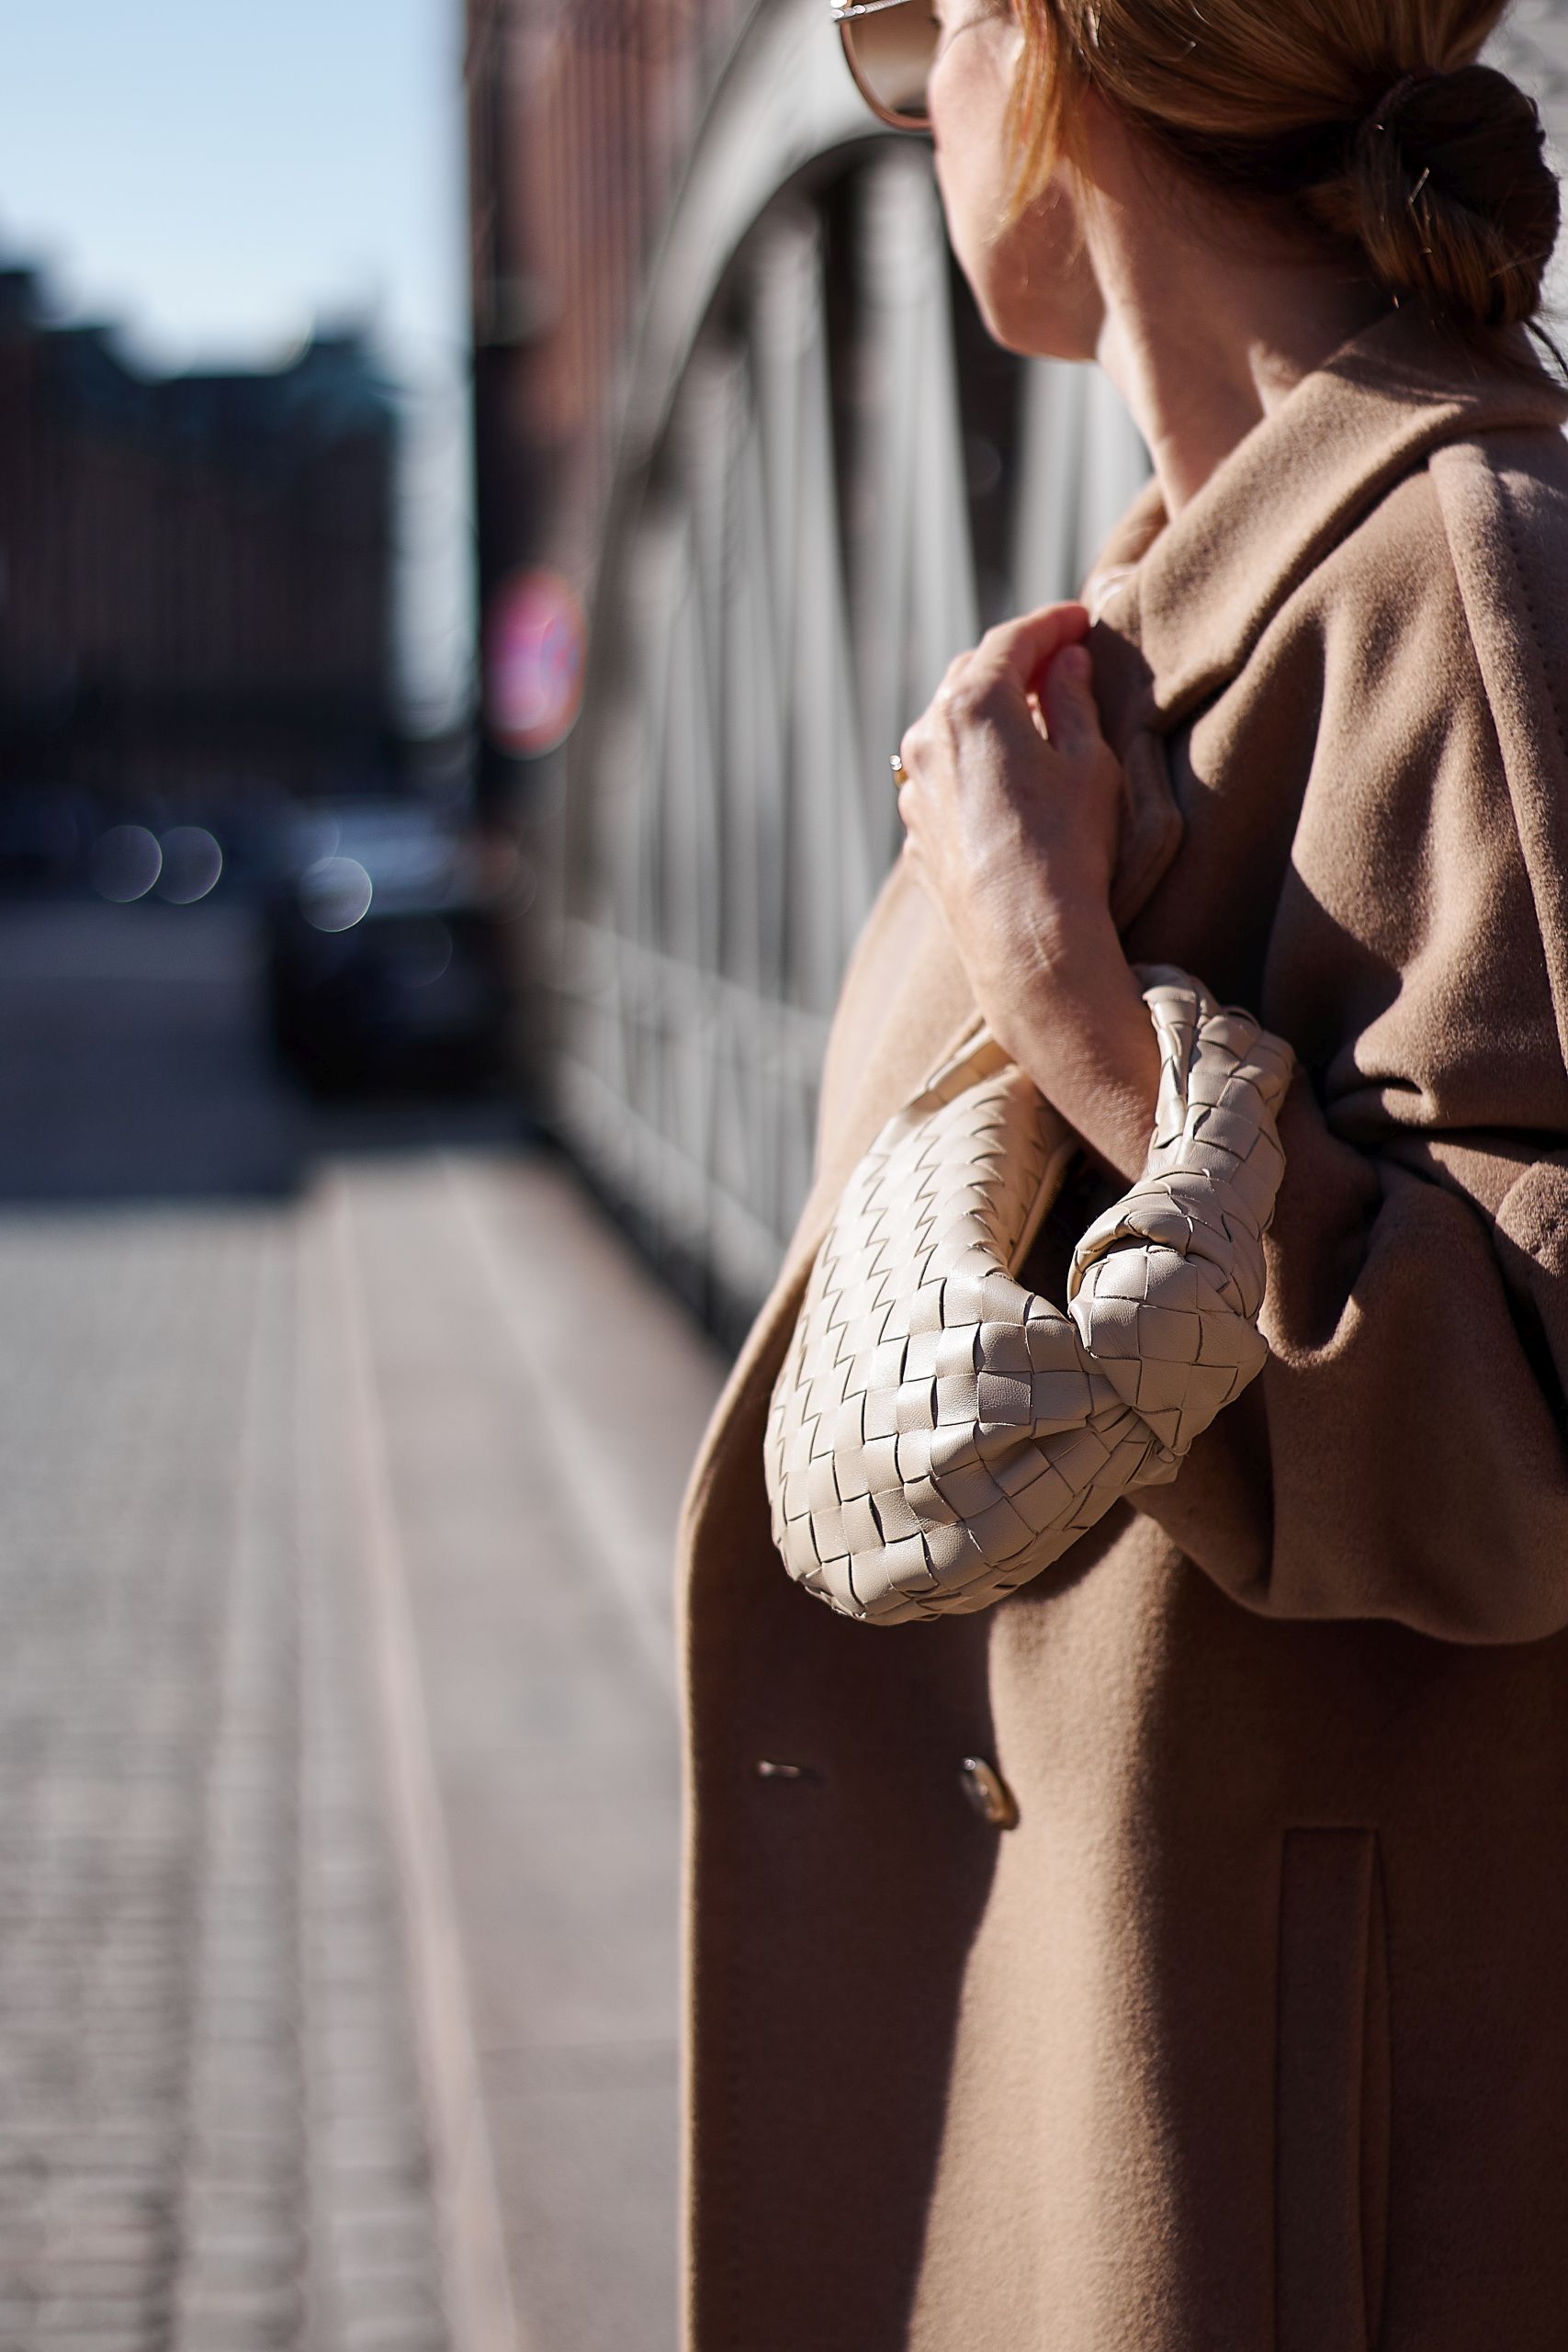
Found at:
[338, 1809]
[211, 2132]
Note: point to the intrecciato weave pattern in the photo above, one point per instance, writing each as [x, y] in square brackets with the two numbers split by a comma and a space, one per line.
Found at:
[937, 1434]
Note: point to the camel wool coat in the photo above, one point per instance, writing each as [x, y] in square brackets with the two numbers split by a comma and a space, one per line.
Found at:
[1252, 2035]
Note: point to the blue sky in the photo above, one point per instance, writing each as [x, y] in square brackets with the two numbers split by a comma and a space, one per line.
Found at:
[214, 176]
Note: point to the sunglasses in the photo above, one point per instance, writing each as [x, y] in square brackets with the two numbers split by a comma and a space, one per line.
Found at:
[890, 46]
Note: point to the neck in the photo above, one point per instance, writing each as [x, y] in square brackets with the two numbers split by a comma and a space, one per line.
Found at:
[1203, 344]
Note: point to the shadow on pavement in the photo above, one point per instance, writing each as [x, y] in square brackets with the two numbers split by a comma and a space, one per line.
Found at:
[135, 1065]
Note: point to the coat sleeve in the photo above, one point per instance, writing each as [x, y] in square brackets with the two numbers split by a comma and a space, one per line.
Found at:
[1405, 1453]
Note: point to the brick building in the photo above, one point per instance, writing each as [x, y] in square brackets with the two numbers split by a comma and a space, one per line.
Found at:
[580, 122]
[194, 571]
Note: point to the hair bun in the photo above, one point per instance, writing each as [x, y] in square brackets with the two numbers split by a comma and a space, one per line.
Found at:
[1448, 193]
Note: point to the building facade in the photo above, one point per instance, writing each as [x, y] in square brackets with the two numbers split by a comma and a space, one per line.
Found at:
[194, 571]
[581, 121]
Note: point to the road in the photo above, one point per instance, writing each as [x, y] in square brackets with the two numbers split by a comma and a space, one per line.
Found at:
[337, 1734]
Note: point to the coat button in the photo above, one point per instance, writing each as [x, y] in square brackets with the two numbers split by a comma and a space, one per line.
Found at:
[988, 1793]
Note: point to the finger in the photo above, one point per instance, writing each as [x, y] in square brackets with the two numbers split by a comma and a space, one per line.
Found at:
[1019, 649]
[1067, 702]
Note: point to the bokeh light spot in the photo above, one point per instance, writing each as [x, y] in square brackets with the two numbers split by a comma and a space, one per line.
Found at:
[127, 862]
[335, 893]
[192, 864]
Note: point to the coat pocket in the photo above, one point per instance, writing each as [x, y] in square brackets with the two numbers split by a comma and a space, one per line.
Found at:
[1331, 2094]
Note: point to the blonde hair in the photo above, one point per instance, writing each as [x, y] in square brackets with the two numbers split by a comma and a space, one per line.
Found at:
[1369, 120]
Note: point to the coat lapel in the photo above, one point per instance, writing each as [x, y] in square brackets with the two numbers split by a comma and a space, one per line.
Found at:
[905, 1007]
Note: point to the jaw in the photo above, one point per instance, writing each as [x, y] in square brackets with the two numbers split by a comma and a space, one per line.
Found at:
[1037, 291]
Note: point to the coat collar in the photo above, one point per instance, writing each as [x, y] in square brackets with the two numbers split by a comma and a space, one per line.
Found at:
[1195, 594]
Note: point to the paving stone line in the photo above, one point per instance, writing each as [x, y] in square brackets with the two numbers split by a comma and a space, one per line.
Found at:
[376, 2268]
[239, 2286]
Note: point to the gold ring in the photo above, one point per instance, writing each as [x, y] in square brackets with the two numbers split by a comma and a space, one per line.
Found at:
[900, 772]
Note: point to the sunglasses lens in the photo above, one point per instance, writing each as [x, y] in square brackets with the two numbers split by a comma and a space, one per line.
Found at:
[892, 51]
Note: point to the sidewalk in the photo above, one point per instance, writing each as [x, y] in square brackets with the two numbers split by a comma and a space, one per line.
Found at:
[536, 1403]
[338, 1751]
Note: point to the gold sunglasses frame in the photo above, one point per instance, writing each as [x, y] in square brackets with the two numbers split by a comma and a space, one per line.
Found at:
[845, 13]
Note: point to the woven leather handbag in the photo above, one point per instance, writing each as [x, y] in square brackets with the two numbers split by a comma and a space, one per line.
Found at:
[938, 1434]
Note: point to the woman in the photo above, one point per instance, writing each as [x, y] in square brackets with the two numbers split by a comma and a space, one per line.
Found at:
[1234, 2014]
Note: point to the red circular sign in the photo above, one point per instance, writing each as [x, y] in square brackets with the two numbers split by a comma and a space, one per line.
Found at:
[534, 649]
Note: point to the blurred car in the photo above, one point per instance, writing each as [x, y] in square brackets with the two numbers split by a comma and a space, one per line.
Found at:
[387, 964]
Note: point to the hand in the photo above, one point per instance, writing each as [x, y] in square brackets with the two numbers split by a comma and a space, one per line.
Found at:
[1013, 806]
[1013, 815]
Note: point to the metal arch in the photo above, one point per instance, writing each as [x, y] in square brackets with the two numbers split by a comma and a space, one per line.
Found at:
[764, 630]
[783, 104]
[770, 612]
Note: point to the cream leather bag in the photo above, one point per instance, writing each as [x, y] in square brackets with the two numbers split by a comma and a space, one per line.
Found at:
[938, 1434]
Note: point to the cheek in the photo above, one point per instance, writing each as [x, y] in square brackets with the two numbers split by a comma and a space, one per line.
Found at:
[974, 158]
[1030, 279]
[970, 86]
